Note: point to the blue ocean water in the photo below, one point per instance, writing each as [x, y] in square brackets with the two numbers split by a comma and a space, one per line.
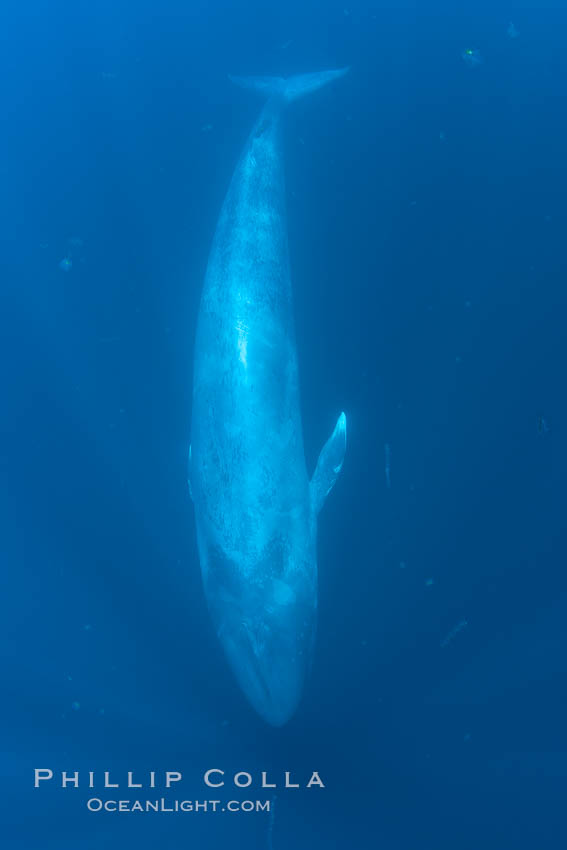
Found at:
[426, 228]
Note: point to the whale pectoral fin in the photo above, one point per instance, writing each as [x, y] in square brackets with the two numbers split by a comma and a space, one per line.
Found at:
[189, 473]
[329, 465]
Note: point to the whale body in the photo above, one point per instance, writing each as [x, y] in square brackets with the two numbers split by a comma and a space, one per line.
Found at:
[255, 508]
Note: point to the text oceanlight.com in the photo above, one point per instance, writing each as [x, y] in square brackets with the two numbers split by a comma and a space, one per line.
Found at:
[95, 804]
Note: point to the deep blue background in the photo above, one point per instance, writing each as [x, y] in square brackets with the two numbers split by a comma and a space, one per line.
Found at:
[427, 225]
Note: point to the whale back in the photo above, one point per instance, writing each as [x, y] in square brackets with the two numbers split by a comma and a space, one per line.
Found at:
[247, 444]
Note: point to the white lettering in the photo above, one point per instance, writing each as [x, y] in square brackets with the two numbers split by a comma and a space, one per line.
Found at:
[315, 780]
[131, 783]
[74, 778]
[213, 784]
[47, 774]
[172, 776]
[247, 780]
[107, 782]
[289, 784]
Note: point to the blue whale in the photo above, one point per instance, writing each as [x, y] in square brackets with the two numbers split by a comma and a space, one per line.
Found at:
[255, 508]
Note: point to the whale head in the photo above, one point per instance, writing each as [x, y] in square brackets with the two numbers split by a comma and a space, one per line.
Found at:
[270, 666]
[259, 568]
[265, 621]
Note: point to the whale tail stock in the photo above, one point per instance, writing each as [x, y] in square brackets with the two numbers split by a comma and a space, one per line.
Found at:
[329, 465]
[290, 88]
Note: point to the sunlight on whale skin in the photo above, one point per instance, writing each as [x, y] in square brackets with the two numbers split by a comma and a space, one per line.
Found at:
[255, 509]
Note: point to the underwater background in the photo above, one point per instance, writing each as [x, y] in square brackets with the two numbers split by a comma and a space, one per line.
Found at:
[426, 215]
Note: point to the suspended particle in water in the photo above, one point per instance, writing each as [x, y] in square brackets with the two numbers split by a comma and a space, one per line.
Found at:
[542, 426]
[512, 32]
[66, 264]
[75, 706]
[472, 57]
[429, 582]
[462, 624]
[387, 455]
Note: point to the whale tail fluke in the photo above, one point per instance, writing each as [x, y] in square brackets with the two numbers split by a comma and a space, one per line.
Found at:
[329, 465]
[290, 88]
